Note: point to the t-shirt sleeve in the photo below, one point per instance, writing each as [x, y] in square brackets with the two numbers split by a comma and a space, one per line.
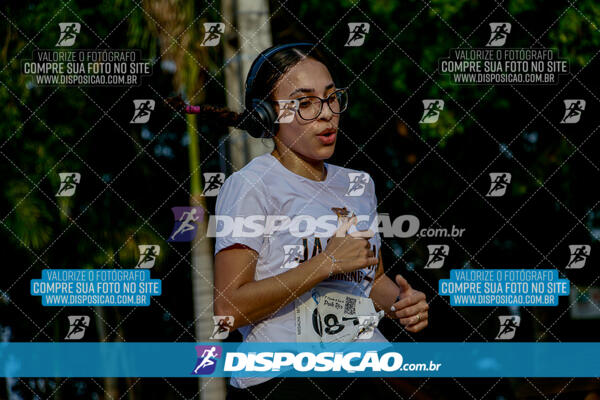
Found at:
[241, 195]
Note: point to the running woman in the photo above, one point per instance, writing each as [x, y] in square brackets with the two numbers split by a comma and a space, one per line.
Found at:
[280, 286]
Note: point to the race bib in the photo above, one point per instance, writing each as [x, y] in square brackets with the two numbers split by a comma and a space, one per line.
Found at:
[328, 315]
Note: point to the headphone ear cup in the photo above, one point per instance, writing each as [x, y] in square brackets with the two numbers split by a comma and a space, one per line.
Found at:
[260, 121]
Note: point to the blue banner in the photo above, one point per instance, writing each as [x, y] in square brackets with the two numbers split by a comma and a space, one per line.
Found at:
[120, 359]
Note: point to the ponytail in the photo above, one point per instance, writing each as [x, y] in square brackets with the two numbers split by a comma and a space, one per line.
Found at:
[220, 116]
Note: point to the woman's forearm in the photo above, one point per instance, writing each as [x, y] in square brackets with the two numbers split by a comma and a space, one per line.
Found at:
[256, 300]
[384, 294]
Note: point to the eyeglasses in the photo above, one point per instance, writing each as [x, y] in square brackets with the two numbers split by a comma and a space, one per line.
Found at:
[310, 107]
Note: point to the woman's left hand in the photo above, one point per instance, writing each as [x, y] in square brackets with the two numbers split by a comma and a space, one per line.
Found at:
[411, 309]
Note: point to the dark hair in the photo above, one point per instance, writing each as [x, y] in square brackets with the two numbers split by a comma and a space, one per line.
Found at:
[263, 88]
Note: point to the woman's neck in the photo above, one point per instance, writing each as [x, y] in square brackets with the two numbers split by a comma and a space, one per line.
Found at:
[310, 169]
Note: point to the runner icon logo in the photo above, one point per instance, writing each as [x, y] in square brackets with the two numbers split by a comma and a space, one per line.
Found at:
[212, 183]
[292, 254]
[358, 32]
[579, 255]
[185, 227]
[77, 326]
[437, 255]
[358, 183]
[142, 109]
[148, 254]
[68, 183]
[223, 324]
[287, 111]
[212, 33]
[207, 359]
[367, 325]
[508, 326]
[68, 33]
[500, 31]
[499, 183]
[432, 109]
[573, 111]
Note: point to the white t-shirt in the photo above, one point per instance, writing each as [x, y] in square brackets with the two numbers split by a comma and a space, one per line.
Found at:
[265, 187]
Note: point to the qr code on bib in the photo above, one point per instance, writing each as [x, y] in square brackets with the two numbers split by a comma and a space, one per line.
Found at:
[350, 306]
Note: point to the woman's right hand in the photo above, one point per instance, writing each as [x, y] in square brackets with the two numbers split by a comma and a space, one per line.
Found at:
[351, 251]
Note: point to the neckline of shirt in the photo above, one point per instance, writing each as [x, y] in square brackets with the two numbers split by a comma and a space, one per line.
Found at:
[291, 173]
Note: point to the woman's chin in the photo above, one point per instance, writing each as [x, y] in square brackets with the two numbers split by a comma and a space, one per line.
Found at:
[325, 152]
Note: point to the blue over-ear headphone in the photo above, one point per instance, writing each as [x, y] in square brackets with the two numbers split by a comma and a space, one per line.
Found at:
[259, 117]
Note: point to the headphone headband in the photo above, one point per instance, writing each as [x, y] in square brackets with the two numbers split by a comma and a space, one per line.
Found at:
[259, 61]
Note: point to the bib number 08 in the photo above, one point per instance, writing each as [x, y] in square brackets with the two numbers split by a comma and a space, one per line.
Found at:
[332, 324]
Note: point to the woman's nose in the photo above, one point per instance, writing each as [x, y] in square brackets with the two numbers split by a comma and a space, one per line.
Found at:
[326, 113]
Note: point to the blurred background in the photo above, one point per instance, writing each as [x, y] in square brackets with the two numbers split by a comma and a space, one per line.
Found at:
[131, 175]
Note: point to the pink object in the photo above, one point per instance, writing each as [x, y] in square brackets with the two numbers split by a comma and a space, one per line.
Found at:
[192, 109]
